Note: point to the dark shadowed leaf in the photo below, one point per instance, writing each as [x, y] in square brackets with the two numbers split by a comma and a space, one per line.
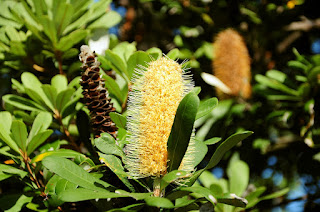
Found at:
[172, 177]
[22, 103]
[232, 199]
[226, 146]
[207, 193]
[181, 130]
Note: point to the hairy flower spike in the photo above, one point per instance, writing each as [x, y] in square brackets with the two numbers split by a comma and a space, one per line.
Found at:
[153, 101]
[232, 63]
[95, 96]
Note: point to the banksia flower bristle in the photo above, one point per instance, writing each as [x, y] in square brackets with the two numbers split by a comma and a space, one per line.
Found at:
[232, 64]
[153, 101]
[95, 96]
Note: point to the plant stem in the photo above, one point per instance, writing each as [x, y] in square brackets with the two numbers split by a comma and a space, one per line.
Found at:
[59, 59]
[66, 132]
[156, 188]
[33, 177]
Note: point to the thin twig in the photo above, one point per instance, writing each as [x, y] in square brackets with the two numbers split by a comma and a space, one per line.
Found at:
[66, 132]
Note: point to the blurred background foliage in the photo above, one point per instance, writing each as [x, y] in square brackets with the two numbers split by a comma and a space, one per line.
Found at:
[41, 38]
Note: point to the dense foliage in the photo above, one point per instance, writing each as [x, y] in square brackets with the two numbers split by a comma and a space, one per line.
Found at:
[136, 125]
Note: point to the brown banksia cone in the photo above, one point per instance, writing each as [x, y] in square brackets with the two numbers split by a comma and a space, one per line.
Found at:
[231, 64]
[95, 96]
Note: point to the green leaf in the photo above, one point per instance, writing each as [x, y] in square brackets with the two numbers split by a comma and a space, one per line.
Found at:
[196, 89]
[81, 194]
[181, 130]
[274, 84]
[108, 20]
[113, 88]
[199, 152]
[173, 54]
[49, 28]
[17, 86]
[22, 103]
[207, 193]
[106, 144]
[159, 202]
[33, 88]
[154, 52]
[313, 74]
[63, 185]
[277, 75]
[117, 63]
[213, 140]
[137, 59]
[130, 208]
[62, 16]
[73, 173]
[68, 153]
[297, 64]
[63, 98]
[10, 170]
[6, 118]
[7, 139]
[206, 107]
[37, 140]
[238, 173]
[50, 190]
[50, 92]
[253, 196]
[118, 119]
[115, 164]
[232, 199]
[276, 194]
[19, 134]
[226, 146]
[59, 82]
[14, 202]
[68, 41]
[41, 123]
[172, 177]
[124, 50]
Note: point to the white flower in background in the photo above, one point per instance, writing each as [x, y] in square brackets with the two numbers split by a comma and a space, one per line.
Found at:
[99, 41]
[214, 81]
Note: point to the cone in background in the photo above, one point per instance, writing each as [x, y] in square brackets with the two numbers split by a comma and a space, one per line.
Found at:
[231, 64]
[156, 93]
[95, 96]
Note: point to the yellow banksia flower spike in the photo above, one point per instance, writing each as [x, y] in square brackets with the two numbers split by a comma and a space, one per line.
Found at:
[156, 93]
[231, 64]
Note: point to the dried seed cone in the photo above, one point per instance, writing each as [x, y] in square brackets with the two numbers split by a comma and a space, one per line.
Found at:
[95, 96]
[153, 101]
[232, 64]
